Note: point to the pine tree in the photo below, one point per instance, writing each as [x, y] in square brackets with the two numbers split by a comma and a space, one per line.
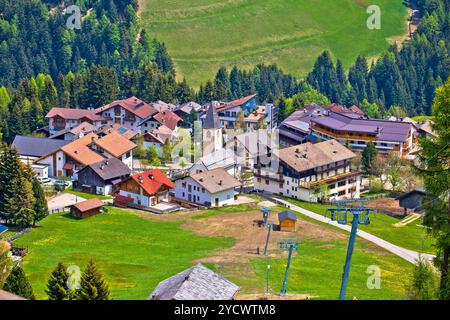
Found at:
[368, 158]
[434, 160]
[222, 85]
[93, 286]
[57, 288]
[40, 204]
[422, 285]
[153, 157]
[17, 283]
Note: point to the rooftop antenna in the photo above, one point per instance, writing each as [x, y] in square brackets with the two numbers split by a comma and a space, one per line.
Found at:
[291, 245]
[360, 216]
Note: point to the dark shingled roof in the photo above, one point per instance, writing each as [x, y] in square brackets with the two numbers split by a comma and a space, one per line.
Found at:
[211, 120]
[37, 147]
[196, 283]
[287, 215]
[110, 169]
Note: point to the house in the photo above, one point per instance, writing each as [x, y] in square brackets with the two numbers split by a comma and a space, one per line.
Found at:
[70, 158]
[356, 132]
[164, 118]
[212, 188]
[299, 171]
[102, 177]
[32, 148]
[287, 220]
[74, 156]
[195, 283]
[158, 137]
[116, 127]
[223, 158]
[412, 201]
[128, 112]
[294, 130]
[115, 145]
[186, 109]
[86, 208]
[74, 133]
[66, 118]
[253, 113]
[250, 146]
[147, 189]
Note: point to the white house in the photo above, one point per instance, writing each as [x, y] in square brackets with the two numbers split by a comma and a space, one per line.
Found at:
[147, 189]
[213, 188]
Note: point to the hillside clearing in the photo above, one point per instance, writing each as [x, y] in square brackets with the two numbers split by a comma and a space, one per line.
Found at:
[203, 35]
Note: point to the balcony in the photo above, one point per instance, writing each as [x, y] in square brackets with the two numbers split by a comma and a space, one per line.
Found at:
[342, 135]
[329, 180]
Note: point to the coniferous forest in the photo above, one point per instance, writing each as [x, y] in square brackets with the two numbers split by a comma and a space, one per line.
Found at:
[45, 64]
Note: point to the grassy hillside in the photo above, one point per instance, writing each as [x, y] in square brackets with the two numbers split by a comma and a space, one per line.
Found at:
[203, 35]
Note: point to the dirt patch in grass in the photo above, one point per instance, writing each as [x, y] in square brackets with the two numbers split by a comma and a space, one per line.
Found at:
[386, 204]
[244, 228]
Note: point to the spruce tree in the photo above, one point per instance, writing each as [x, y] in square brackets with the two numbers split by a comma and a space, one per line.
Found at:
[17, 283]
[434, 159]
[368, 158]
[40, 203]
[93, 286]
[57, 288]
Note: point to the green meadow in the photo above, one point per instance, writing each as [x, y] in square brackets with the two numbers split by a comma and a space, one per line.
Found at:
[203, 35]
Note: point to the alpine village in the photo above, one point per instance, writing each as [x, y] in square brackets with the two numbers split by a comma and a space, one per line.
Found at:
[122, 179]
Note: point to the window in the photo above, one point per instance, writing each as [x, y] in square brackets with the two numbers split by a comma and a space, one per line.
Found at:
[342, 183]
[128, 155]
[203, 190]
[267, 181]
[341, 193]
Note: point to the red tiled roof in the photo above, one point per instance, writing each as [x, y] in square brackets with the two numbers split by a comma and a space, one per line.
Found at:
[357, 110]
[168, 118]
[235, 103]
[74, 114]
[134, 105]
[152, 180]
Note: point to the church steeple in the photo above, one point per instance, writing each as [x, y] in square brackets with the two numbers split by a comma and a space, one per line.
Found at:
[212, 120]
[212, 131]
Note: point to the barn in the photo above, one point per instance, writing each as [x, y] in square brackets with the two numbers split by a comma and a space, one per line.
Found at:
[288, 220]
[86, 208]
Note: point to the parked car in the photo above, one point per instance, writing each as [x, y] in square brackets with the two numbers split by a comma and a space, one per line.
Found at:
[44, 180]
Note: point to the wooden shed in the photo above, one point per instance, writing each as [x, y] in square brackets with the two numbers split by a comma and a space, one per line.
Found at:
[288, 220]
[86, 208]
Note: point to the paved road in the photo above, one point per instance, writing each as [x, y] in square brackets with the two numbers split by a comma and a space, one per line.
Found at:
[408, 255]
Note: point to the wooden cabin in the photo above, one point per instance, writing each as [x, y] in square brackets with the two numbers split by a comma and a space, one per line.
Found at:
[86, 208]
[288, 220]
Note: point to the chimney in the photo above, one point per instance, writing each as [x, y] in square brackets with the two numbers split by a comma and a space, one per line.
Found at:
[102, 166]
[76, 152]
[92, 139]
[220, 182]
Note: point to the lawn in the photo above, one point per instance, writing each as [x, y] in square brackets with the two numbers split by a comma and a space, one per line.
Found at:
[317, 268]
[133, 253]
[412, 236]
[87, 195]
[203, 35]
